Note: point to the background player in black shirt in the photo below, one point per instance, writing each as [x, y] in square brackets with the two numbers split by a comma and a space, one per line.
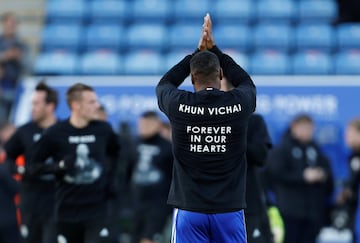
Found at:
[37, 192]
[209, 130]
[150, 180]
[258, 144]
[81, 147]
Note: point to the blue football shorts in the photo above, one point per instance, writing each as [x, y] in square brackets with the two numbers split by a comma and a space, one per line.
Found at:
[194, 227]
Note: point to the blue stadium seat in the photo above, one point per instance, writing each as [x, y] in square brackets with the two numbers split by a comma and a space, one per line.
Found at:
[151, 10]
[100, 62]
[233, 36]
[104, 36]
[184, 35]
[229, 11]
[319, 36]
[348, 36]
[108, 10]
[273, 36]
[319, 11]
[146, 35]
[65, 10]
[239, 57]
[173, 57]
[143, 62]
[347, 62]
[312, 62]
[56, 63]
[190, 10]
[66, 36]
[269, 62]
[283, 11]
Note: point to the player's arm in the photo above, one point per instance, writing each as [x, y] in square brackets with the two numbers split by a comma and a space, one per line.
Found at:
[13, 149]
[44, 149]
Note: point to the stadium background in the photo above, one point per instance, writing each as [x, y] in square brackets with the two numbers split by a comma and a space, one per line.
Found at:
[300, 59]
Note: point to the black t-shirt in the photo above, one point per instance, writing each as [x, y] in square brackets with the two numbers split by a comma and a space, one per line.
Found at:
[151, 173]
[258, 145]
[82, 190]
[209, 138]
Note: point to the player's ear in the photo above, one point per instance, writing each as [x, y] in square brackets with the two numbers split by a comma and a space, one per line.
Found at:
[192, 78]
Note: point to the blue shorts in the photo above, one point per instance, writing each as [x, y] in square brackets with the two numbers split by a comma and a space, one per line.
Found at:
[194, 227]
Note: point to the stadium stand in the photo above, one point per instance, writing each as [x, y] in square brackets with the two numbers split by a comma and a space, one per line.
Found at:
[312, 62]
[109, 36]
[315, 36]
[250, 27]
[57, 62]
[65, 36]
[269, 62]
[66, 11]
[108, 11]
[320, 11]
[143, 62]
[276, 11]
[240, 12]
[100, 62]
[347, 62]
[273, 36]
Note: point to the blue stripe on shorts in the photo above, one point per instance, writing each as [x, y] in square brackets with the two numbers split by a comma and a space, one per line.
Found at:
[194, 227]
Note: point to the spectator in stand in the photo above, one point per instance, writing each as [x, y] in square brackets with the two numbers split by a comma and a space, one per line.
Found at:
[302, 181]
[150, 180]
[12, 56]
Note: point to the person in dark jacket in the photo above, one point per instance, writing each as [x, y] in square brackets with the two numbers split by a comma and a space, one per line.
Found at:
[9, 230]
[349, 196]
[302, 181]
[258, 145]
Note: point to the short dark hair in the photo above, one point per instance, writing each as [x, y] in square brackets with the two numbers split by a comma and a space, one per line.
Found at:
[355, 123]
[51, 96]
[205, 64]
[302, 118]
[150, 114]
[75, 91]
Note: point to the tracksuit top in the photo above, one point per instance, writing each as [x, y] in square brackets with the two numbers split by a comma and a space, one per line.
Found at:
[209, 138]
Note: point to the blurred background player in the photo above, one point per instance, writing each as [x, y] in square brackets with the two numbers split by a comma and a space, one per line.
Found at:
[37, 193]
[302, 181]
[349, 197]
[258, 144]
[12, 60]
[85, 151]
[150, 180]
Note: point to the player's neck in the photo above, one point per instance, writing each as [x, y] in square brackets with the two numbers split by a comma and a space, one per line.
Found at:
[212, 85]
[78, 122]
[48, 121]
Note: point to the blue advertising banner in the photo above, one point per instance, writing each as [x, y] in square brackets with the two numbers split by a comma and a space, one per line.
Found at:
[331, 100]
